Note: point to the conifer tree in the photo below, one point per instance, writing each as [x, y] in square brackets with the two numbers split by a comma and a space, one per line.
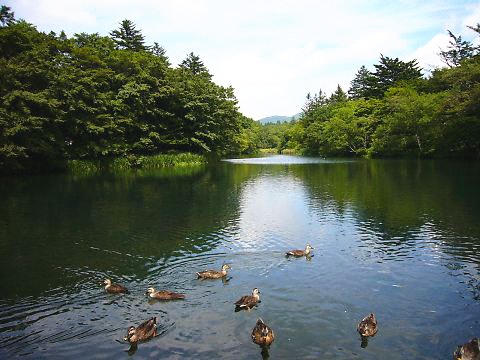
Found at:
[6, 16]
[127, 37]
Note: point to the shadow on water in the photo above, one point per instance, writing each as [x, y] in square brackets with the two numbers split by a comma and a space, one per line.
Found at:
[375, 226]
[265, 353]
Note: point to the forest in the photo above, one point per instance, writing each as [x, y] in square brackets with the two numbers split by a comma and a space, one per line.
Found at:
[100, 97]
[395, 111]
[90, 97]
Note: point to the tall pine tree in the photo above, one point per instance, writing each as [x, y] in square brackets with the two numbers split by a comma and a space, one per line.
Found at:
[127, 37]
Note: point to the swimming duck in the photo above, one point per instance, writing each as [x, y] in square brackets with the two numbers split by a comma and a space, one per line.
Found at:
[468, 351]
[114, 288]
[142, 332]
[261, 334]
[163, 294]
[368, 326]
[248, 301]
[213, 274]
[300, 253]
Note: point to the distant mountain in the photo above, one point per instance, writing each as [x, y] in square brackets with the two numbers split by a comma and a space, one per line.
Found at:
[277, 118]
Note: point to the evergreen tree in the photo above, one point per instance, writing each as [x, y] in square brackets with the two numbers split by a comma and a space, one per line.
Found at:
[390, 72]
[360, 86]
[127, 37]
[159, 51]
[194, 65]
[6, 16]
[338, 96]
[314, 102]
[457, 51]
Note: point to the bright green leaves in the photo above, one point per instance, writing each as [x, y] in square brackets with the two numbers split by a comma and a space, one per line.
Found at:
[410, 123]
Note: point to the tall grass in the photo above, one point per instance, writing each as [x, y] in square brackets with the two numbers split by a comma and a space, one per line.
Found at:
[290, 152]
[129, 162]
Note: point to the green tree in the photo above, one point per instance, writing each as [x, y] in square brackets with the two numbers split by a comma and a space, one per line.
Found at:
[338, 96]
[7, 17]
[127, 37]
[390, 72]
[194, 65]
[410, 123]
[30, 134]
[360, 86]
[461, 108]
[457, 50]
[159, 51]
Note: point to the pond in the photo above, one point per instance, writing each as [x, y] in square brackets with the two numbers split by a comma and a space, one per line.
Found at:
[394, 237]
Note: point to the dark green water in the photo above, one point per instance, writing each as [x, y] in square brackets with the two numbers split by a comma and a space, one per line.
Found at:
[399, 238]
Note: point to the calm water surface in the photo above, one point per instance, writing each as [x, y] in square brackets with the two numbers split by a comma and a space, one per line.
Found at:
[399, 238]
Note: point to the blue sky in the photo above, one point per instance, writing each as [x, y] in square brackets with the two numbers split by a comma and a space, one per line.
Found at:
[273, 52]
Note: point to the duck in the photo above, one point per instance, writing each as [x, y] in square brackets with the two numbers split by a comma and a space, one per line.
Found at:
[248, 301]
[163, 294]
[300, 253]
[114, 288]
[262, 335]
[368, 326]
[213, 274]
[142, 332]
[468, 351]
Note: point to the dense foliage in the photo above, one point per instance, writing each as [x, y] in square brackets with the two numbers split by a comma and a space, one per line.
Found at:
[96, 97]
[93, 97]
[394, 111]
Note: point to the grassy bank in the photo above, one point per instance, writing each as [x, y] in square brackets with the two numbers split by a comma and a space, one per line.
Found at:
[275, 151]
[136, 162]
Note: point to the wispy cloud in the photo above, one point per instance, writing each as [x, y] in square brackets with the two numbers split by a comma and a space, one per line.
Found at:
[272, 51]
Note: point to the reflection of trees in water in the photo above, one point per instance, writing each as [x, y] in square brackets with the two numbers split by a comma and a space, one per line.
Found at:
[397, 203]
[397, 196]
[114, 222]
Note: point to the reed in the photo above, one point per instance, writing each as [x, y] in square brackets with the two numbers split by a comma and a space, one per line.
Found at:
[87, 167]
[290, 152]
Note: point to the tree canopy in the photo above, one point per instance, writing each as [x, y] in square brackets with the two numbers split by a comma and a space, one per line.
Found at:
[97, 97]
[394, 111]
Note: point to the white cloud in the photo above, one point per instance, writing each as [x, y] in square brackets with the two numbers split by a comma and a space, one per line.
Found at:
[427, 55]
[271, 51]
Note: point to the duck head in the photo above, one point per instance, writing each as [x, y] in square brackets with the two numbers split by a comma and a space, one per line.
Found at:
[308, 248]
[225, 267]
[255, 293]
[107, 282]
[130, 333]
[150, 290]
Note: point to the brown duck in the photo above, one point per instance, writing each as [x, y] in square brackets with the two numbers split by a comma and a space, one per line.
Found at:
[163, 294]
[142, 332]
[114, 288]
[248, 301]
[261, 334]
[300, 253]
[468, 351]
[213, 274]
[368, 326]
